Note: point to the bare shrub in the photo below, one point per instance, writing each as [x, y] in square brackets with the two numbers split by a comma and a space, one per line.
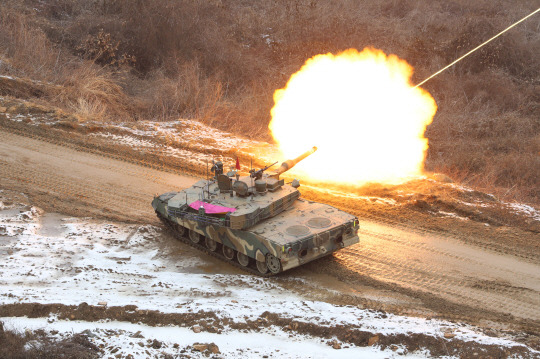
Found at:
[102, 49]
[92, 93]
[188, 93]
[29, 51]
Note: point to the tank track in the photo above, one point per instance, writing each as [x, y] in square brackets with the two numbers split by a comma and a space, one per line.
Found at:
[250, 269]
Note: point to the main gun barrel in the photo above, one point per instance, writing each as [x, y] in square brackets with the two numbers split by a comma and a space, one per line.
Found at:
[287, 165]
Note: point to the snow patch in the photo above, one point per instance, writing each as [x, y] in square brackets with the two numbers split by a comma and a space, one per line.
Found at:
[138, 340]
[523, 209]
[452, 215]
[120, 264]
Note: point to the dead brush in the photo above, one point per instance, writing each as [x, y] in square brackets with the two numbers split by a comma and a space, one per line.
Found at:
[103, 50]
[507, 166]
[246, 112]
[38, 344]
[188, 94]
[92, 94]
[26, 48]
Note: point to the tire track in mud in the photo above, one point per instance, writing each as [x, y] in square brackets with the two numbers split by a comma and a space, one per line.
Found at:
[86, 190]
[451, 288]
[385, 261]
[494, 289]
[78, 141]
[450, 274]
[106, 185]
[400, 241]
[126, 168]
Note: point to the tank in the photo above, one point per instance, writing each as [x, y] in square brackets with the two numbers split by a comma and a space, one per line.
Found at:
[256, 222]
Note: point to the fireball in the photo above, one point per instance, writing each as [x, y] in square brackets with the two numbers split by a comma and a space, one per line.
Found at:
[362, 112]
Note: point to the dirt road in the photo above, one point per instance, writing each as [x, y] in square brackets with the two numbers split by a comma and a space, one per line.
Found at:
[78, 182]
[396, 268]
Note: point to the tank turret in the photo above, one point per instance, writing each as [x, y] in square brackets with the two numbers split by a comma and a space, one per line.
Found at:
[257, 222]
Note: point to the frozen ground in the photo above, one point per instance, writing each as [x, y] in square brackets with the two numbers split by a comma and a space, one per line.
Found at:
[140, 341]
[49, 258]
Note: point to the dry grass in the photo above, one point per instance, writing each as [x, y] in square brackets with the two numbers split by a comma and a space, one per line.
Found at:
[220, 61]
[189, 93]
[25, 49]
[90, 93]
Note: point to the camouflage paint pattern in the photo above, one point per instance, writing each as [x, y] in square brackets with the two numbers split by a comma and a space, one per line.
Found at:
[295, 253]
[269, 219]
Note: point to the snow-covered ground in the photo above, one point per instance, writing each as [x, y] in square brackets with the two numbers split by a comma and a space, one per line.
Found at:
[139, 341]
[49, 258]
[191, 140]
[192, 133]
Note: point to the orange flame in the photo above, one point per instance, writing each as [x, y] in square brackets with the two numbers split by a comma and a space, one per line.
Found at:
[362, 112]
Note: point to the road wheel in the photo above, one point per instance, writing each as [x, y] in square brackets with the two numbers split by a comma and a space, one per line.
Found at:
[194, 236]
[228, 252]
[242, 259]
[180, 231]
[210, 244]
[262, 267]
[273, 263]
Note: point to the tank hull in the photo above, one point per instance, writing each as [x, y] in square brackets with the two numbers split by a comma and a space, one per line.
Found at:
[298, 235]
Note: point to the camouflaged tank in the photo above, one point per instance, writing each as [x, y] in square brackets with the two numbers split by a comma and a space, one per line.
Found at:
[256, 222]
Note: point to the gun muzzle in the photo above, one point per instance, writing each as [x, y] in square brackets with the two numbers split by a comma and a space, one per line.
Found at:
[287, 165]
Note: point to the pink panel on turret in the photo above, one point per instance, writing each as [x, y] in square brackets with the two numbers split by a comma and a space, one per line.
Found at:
[211, 208]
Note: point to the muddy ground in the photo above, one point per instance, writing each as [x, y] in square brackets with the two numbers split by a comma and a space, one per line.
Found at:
[428, 248]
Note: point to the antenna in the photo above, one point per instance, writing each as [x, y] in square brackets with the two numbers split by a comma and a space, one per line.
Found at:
[251, 169]
[207, 179]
